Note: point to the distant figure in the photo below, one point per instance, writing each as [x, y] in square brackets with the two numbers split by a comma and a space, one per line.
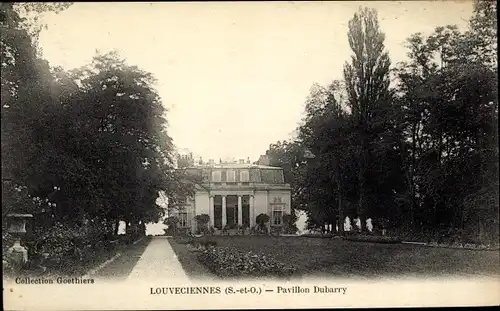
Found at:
[369, 224]
[358, 223]
[301, 221]
[122, 227]
[347, 224]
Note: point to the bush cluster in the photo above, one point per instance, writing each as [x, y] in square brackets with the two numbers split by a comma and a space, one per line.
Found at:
[72, 246]
[231, 262]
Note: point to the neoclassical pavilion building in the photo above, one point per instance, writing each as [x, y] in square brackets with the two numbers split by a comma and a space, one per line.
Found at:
[234, 193]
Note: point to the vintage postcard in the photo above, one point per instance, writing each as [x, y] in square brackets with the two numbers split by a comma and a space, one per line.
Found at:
[249, 155]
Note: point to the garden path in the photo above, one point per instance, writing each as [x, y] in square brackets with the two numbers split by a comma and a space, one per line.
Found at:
[158, 262]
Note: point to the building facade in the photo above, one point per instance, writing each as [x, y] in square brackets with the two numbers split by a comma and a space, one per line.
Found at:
[235, 193]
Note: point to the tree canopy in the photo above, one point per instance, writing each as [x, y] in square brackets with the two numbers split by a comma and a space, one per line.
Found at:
[413, 144]
[89, 143]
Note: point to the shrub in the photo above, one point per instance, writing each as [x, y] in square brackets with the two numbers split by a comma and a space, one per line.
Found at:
[289, 226]
[276, 230]
[171, 222]
[202, 222]
[243, 228]
[262, 220]
[70, 247]
[231, 262]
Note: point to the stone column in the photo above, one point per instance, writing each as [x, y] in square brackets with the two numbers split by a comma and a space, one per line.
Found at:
[211, 209]
[252, 212]
[224, 217]
[240, 213]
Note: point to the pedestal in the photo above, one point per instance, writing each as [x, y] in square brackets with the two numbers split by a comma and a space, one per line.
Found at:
[18, 254]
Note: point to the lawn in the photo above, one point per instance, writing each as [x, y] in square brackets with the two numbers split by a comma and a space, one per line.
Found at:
[332, 257]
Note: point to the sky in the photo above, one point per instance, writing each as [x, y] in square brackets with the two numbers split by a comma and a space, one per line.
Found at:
[234, 76]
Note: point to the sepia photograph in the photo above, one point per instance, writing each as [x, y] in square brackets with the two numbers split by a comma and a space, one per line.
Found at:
[249, 155]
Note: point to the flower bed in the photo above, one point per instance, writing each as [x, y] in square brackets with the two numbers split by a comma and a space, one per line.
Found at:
[67, 249]
[317, 235]
[373, 238]
[184, 239]
[231, 262]
[469, 246]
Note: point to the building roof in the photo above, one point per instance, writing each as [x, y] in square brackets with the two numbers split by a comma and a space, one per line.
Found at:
[236, 166]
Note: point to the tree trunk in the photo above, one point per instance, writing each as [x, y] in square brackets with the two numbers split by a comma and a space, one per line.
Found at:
[143, 228]
[362, 188]
[127, 226]
[117, 226]
[341, 212]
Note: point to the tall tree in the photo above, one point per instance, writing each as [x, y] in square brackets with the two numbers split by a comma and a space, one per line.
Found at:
[367, 82]
[122, 136]
[450, 112]
[27, 101]
[483, 32]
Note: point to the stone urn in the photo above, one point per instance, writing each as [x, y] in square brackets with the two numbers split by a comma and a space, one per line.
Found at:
[17, 228]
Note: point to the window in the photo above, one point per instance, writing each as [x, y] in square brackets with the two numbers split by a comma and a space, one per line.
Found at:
[216, 176]
[244, 176]
[231, 176]
[278, 207]
[277, 217]
[183, 219]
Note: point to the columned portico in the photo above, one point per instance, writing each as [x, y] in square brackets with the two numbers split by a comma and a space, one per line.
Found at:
[211, 211]
[233, 194]
[240, 212]
[224, 216]
[231, 209]
[252, 211]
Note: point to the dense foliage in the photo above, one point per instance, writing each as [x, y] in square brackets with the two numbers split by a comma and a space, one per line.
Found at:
[202, 222]
[81, 146]
[415, 145]
[231, 262]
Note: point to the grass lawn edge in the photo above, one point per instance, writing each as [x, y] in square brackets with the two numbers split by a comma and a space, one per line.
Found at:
[194, 269]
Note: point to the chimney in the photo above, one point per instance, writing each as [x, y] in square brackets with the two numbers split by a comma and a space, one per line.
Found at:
[242, 161]
[211, 161]
[248, 160]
